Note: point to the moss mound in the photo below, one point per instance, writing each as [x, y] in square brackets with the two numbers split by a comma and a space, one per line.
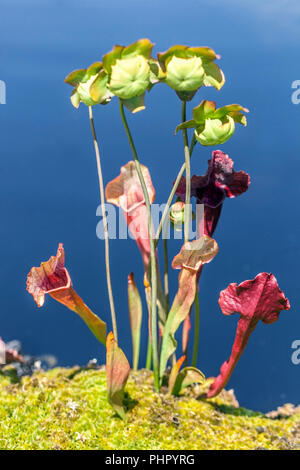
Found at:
[67, 409]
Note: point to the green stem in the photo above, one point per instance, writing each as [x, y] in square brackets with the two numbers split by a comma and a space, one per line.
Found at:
[149, 355]
[187, 211]
[106, 237]
[196, 330]
[172, 194]
[152, 250]
[166, 269]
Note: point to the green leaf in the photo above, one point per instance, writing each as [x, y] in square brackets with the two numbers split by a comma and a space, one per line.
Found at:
[213, 75]
[117, 372]
[190, 259]
[135, 104]
[180, 309]
[187, 377]
[174, 373]
[75, 77]
[135, 317]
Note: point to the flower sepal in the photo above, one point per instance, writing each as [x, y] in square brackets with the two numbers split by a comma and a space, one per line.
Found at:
[85, 90]
[214, 126]
[128, 69]
[188, 68]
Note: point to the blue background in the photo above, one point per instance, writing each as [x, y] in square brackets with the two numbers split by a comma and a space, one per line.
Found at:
[49, 189]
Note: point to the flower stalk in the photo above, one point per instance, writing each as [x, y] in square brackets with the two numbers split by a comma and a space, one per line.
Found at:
[172, 194]
[188, 175]
[152, 249]
[106, 237]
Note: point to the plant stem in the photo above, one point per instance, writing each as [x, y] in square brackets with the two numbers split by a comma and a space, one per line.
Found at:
[196, 329]
[172, 194]
[106, 237]
[166, 269]
[187, 210]
[152, 250]
[149, 355]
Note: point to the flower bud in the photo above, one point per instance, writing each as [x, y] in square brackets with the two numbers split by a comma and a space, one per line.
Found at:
[185, 74]
[216, 131]
[130, 77]
[188, 68]
[177, 215]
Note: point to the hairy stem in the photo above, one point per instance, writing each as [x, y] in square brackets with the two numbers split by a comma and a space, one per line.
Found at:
[152, 250]
[106, 237]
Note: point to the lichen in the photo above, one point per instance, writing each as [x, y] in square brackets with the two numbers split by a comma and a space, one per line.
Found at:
[68, 409]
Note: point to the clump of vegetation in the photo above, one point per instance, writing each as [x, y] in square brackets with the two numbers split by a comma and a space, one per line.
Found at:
[68, 409]
[126, 74]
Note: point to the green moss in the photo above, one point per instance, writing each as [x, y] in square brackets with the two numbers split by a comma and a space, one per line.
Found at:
[67, 409]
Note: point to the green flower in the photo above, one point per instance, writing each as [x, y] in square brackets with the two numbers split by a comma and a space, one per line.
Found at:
[90, 86]
[188, 68]
[214, 126]
[131, 71]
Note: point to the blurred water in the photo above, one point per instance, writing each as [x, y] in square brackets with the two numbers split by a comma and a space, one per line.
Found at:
[49, 190]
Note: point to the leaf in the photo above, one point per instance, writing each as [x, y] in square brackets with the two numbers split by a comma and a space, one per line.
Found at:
[135, 317]
[117, 372]
[180, 309]
[187, 377]
[254, 300]
[190, 259]
[174, 374]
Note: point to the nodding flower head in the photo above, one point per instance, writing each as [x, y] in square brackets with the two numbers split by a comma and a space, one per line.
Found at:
[188, 68]
[211, 189]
